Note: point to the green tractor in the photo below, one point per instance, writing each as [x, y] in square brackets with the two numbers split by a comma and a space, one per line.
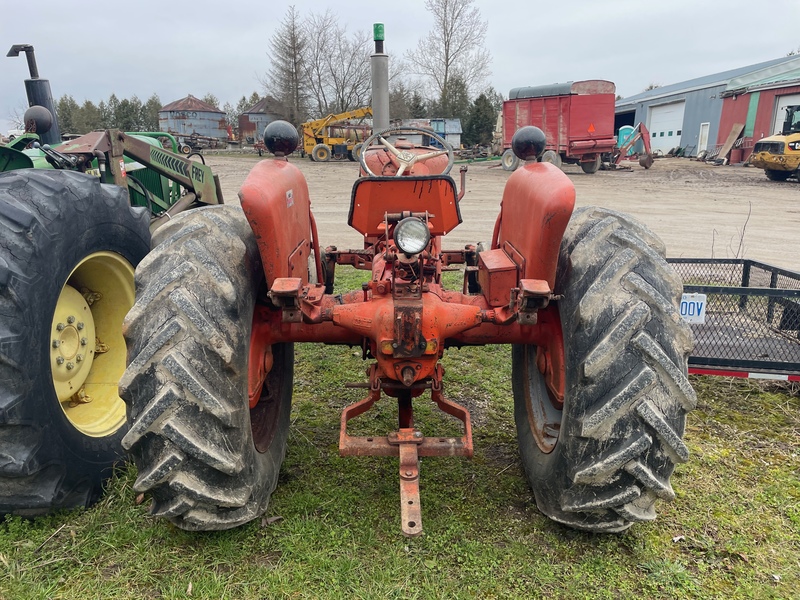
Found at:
[75, 220]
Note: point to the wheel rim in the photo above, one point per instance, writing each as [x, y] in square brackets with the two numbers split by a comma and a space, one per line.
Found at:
[88, 389]
[265, 415]
[544, 414]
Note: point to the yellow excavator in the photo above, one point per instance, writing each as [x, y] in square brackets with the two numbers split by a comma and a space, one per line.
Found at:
[779, 154]
[336, 136]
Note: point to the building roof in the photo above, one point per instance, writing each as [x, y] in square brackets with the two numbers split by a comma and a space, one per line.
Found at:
[267, 105]
[777, 75]
[191, 103]
[776, 66]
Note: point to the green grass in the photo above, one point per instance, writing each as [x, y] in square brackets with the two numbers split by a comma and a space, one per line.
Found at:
[332, 528]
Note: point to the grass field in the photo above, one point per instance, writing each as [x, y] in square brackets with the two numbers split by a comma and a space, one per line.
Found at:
[332, 529]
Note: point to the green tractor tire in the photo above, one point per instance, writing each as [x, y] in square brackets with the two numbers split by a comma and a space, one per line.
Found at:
[67, 257]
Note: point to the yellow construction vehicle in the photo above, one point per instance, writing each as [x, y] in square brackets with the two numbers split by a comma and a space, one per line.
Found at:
[336, 136]
[779, 154]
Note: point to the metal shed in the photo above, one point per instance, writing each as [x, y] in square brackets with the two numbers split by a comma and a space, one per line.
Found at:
[757, 101]
[688, 114]
[255, 119]
[191, 116]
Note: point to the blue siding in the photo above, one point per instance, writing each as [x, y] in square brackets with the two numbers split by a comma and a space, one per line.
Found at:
[187, 122]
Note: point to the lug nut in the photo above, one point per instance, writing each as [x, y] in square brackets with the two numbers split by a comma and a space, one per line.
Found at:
[79, 358]
[60, 360]
[60, 327]
[56, 343]
[70, 366]
[83, 341]
[80, 326]
[70, 319]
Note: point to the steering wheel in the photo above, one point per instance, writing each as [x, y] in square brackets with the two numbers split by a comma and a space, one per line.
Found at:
[403, 159]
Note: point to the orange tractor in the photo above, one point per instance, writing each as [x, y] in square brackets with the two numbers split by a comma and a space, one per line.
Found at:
[585, 298]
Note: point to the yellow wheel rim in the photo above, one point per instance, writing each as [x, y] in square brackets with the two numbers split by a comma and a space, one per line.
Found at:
[87, 350]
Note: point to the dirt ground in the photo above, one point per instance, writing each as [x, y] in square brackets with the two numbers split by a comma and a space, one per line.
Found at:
[699, 210]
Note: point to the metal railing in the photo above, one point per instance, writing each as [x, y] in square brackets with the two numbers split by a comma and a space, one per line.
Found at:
[752, 314]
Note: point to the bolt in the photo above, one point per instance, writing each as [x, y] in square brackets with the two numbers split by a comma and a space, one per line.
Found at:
[70, 366]
[56, 343]
[80, 326]
[79, 358]
[83, 341]
[70, 319]
[409, 473]
[417, 434]
[60, 360]
[394, 344]
[60, 327]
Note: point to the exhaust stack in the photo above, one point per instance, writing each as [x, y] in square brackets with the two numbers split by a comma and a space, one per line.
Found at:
[379, 63]
[38, 91]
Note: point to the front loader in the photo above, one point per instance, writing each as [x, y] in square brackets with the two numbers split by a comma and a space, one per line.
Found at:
[75, 221]
[584, 298]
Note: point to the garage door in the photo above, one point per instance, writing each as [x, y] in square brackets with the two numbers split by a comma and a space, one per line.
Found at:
[665, 124]
[780, 114]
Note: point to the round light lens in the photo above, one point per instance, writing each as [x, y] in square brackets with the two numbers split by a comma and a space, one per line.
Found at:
[412, 235]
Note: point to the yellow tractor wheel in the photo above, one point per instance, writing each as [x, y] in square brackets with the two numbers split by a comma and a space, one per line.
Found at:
[70, 246]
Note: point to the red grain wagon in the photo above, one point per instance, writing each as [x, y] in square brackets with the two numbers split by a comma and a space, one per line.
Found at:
[577, 117]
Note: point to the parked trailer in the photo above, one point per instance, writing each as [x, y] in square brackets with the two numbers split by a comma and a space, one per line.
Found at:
[577, 117]
[745, 316]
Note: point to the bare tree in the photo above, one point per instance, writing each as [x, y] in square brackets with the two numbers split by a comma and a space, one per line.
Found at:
[17, 116]
[287, 75]
[336, 66]
[349, 71]
[318, 28]
[454, 47]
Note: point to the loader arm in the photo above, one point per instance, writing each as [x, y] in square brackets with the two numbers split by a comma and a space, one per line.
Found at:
[109, 147]
[194, 176]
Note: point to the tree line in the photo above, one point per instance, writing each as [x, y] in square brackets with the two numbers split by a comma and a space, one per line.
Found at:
[131, 114]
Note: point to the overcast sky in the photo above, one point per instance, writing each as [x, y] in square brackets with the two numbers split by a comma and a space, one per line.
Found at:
[89, 50]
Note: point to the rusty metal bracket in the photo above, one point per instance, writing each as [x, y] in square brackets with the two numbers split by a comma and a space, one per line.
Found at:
[285, 294]
[532, 295]
[407, 443]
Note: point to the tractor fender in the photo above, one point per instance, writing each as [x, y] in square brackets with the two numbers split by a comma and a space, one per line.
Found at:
[537, 204]
[275, 200]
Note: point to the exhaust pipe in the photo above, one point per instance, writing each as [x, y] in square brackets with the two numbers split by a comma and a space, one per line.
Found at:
[38, 91]
[379, 64]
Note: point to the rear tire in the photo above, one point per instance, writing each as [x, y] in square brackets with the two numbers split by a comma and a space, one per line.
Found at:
[321, 153]
[509, 160]
[64, 234]
[614, 445]
[590, 168]
[774, 175]
[208, 460]
[552, 157]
